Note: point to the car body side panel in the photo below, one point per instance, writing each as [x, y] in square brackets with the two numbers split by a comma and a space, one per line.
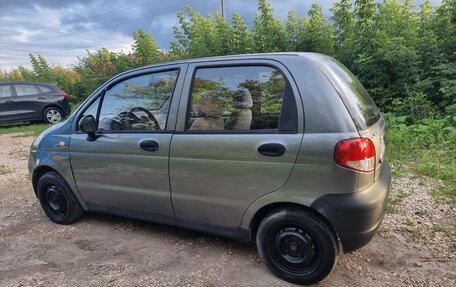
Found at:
[115, 172]
[215, 177]
[29, 107]
[327, 122]
[51, 150]
[314, 174]
[8, 107]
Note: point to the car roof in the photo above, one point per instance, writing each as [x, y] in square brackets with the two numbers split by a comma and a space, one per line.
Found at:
[308, 55]
[26, 83]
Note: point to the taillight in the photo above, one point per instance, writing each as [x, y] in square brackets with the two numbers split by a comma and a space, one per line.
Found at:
[65, 95]
[356, 154]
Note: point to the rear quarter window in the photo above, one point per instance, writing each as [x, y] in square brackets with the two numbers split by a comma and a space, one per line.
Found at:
[44, 89]
[359, 103]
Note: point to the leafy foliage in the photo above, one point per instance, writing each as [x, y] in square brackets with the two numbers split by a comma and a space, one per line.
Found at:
[405, 55]
[428, 148]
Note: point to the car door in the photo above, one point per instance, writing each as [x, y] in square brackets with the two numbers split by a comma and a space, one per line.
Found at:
[237, 139]
[29, 101]
[125, 169]
[7, 104]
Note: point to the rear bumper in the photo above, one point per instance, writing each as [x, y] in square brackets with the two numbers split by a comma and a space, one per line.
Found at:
[66, 107]
[357, 216]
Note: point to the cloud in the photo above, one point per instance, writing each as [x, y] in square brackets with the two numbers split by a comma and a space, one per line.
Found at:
[61, 31]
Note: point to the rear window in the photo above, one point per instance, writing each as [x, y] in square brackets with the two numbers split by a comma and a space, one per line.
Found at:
[360, 105]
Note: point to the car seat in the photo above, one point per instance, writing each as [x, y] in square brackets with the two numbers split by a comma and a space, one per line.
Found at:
[241, 117]
[211, 108]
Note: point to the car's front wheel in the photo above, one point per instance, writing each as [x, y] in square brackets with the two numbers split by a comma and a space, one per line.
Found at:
[52, 115]
[57, 200]
[297, 246]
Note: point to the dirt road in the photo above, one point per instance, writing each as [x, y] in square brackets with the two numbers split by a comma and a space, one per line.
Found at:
[415, 245]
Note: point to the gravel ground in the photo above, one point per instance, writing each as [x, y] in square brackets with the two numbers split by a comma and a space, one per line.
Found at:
[414, 247]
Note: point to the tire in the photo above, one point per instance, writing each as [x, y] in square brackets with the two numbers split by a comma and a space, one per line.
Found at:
[297, 246]
[57, 199]
[52, 115]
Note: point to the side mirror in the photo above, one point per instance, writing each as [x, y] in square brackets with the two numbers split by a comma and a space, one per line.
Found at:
[88, 125]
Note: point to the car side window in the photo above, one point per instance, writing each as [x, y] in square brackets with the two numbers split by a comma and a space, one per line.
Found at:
[236, 98]
[5, 91]
[26, 90]
[44, 89]
[138, 104]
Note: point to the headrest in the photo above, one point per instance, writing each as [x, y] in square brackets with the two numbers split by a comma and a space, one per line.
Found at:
[242, 99]
[211, 105]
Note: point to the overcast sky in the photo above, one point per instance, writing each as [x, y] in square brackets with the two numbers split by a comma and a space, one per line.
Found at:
[62, 30]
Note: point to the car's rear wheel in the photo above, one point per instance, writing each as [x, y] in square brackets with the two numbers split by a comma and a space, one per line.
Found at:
[57, 200]
[297, 246]
[52, 115]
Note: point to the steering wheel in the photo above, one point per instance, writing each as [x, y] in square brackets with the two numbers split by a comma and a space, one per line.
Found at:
[130, 114]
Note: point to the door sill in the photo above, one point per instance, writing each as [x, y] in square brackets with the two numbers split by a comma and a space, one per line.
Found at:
[238, 234]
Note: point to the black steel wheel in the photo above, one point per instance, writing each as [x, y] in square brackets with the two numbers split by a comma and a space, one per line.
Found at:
[57, 199]
[297, 246]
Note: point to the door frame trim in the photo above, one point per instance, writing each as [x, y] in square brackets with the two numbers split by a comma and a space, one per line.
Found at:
[184, 103]
[99, 94]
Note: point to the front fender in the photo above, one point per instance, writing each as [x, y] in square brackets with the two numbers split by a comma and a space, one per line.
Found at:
[51, 151]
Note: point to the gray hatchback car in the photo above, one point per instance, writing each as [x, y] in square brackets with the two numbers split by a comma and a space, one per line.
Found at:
[285, 150]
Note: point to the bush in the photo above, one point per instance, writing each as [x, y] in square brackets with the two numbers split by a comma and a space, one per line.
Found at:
[416, 108]
[427, 147]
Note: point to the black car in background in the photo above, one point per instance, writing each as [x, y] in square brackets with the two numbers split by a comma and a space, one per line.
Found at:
[24, 101]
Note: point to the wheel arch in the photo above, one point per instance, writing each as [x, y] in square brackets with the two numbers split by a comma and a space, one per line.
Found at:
[264, 211]
[39, 172]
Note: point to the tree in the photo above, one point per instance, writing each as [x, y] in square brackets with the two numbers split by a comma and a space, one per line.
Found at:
[145, 50]
[268, 33]
[345, 32]
[41, 69]
[242, 39]
[318, 36]
[404, 56]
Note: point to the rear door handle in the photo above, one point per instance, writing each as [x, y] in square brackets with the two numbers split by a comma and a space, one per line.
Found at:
[10, 102]
[272, 149]
[41, 98]
[149, 145]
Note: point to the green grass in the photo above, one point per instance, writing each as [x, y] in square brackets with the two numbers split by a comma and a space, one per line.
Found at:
[407, 227]
[393, 202]
[3, 170]
[448, 231]
[445, 194]
[427, 148]
[25, 129]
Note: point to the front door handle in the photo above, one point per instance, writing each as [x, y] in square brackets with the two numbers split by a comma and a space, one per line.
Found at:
[149, 145]
[272, 149]
[10, 102]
